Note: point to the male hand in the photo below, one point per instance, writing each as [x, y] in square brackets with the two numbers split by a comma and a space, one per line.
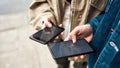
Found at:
[47, 23]
[80, 32]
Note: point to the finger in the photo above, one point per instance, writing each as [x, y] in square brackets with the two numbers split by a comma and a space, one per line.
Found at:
[75, 31]
[48, 24]
[74, 38]
[60, 25]
[43, 26]
[73, 35]
[57, 38]
[68, 38]
[61, 33]
[82, 57]
[76, 58]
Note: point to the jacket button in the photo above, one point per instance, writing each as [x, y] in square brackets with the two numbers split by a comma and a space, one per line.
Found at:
[114, 45]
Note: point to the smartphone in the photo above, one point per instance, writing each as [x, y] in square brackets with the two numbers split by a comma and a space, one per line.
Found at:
[47, 34]
[68, 48]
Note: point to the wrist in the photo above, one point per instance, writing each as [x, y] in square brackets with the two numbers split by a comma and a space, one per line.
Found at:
[89, 28]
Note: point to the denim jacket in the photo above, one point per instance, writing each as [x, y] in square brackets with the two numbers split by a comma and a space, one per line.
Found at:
[106, 38]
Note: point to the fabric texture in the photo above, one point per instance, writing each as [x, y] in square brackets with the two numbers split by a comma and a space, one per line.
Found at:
[106, 38]
[81, 11]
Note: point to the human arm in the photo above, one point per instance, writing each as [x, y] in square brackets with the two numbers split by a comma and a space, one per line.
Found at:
[79, 32]
[40, 12]
[85, 31]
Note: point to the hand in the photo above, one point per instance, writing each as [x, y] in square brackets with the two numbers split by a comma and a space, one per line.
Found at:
[46, 23]
[79, 32]
[58, 38]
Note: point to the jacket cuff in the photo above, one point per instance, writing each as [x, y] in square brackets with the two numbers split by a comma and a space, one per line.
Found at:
[93, 26]
[38, 21]
[94, 23]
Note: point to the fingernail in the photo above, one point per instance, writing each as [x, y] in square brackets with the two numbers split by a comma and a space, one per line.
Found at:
[74, 41]
[82, 57]
[50, 25]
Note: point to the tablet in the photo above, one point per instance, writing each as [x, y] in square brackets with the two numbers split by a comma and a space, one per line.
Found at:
[68, 48]
[47, 34]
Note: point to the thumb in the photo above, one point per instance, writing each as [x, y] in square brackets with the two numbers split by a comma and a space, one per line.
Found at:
[60, 25]
[89, 38]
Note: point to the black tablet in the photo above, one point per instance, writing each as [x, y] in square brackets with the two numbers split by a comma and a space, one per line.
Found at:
[47, 34]
[68, 48]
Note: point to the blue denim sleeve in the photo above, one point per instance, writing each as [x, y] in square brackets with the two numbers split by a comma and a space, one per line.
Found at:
[95, 22]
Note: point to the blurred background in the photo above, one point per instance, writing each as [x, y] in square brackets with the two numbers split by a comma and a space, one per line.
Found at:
[16, 49]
